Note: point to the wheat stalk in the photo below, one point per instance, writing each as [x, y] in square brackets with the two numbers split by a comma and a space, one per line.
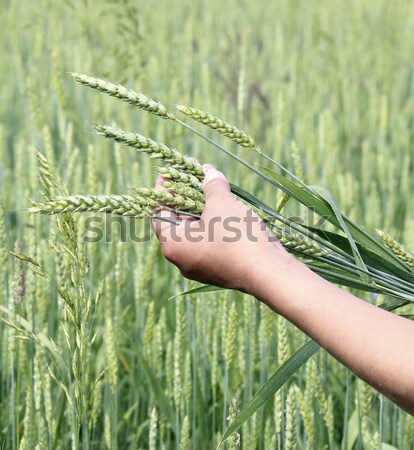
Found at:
[124, 94]
[231, 131]
[155, 150]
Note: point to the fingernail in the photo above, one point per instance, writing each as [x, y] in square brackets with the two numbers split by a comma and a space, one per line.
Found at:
[212, 174]
[207, 167]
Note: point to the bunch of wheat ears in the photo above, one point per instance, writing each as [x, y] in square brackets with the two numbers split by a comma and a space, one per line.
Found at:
[352, 257]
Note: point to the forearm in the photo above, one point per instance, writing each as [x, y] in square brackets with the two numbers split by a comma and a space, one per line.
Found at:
[375, 344]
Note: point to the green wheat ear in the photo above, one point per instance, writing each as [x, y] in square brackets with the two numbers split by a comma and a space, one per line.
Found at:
[124, 205]
[184, 190]
[396, 248]
[124, 94]
[231, 131]
[170, 173]
[164, 198]
[154, 149]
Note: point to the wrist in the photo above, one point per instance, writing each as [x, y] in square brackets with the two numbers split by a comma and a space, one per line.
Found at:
[279, 281]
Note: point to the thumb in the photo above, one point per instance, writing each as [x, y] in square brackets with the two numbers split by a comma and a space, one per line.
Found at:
[215, 183]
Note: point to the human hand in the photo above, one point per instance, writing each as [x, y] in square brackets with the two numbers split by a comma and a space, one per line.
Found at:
[226, 246]
[231, 247]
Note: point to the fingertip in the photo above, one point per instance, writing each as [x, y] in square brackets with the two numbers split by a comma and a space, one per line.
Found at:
[212, 174]
[215, 183]
[207, 167]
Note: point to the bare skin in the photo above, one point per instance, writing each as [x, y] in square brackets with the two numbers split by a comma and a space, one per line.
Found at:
[375, 344]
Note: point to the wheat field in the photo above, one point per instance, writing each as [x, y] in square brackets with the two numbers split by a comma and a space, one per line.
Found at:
[94, 355]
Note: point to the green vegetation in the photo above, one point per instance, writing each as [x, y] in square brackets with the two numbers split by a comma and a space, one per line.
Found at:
[93, 353]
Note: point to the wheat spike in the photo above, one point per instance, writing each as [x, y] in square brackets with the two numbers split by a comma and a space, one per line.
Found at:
[19, 284]
[168, 199]
[231, 336]
[184, 190]
[185, 434]
[298, 243]
[233, 442]
[171, 173]
[153, 430]
[290, 427]
[231, 131]
[155, 150]
[179, 341]
[124, 205]
[127, 95]
[306, 411]
[27, 438]
[396, 248]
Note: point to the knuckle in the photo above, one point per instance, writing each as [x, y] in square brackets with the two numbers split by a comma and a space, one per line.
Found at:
[175, 254]
[169, 251]
[189, 273]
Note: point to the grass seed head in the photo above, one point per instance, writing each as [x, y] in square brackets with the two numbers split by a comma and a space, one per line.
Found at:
[124, 94]
[124, 205]
[396, 248]
[19, 285]
[155, 150]
[298, 243]
[168, 199]
[184, 190]
[173, 174]
[231, 131]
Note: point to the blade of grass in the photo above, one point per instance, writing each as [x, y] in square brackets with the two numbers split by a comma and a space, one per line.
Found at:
[199, 290]
[312, 201]
[372, 259]
[275, 382]
[328, 197]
